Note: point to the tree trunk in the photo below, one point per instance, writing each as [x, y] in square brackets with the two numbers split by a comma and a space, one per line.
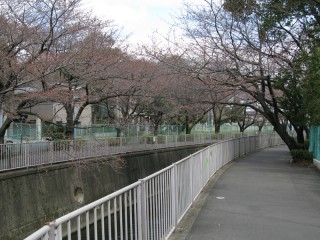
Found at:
[118, 132]
[155, 129]
[289, 141]
[70, 123]
[300, 136]
[188, 129]
[217, 128]
[183, 129]
[6, 124]
[186, 124]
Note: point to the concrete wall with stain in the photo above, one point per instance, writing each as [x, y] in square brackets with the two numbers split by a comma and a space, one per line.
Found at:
[31, 197]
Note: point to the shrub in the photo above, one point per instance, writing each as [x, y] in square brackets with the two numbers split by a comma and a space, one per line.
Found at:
[304, 146]
[301, 155]
[55, 132]
[115, 141]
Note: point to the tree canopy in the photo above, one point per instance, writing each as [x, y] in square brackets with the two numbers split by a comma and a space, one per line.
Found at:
[265, 51]
[260, 57]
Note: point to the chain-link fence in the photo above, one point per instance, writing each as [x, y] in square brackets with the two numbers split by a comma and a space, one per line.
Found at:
[22, 132]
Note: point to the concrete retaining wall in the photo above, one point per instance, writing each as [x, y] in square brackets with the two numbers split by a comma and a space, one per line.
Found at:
[31, 197]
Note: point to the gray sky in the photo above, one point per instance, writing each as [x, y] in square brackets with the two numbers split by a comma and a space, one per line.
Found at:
[138, 17]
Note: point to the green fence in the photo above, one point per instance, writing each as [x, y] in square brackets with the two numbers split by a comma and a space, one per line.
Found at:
[315, 141]
[22, 132]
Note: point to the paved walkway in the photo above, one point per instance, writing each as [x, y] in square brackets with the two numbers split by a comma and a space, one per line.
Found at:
[259, 197]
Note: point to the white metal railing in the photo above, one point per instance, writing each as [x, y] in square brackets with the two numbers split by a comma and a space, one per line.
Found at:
[24, 155]
[152, 207]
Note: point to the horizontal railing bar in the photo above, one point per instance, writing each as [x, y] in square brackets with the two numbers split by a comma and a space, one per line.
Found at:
[94, 204]
[24, 155]
[39, 234]
[157, 173]
[214, 144]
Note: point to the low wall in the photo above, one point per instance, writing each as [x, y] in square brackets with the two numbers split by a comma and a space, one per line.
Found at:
[31, 197]
[316, 163]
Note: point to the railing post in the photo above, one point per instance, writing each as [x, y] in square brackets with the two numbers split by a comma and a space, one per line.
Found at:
[26, 155]
[52, 231]
[142, 211]
[239, 147]
[134, 142]
[256, 142]
[28, 152]
[202, 169]
[191, 162]
[269, 141]
[234, 149]
[174, 202]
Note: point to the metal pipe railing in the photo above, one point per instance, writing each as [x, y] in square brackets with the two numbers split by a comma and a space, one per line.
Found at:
[152, 207]
[25, 155]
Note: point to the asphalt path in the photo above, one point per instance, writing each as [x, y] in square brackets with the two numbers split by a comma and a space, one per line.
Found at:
[259, 197]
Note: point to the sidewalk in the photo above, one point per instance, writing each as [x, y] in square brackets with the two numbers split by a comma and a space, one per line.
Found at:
[260, 197]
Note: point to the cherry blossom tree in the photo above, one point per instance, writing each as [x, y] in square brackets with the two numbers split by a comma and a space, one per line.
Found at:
[134, 80]
[47, 49]
[234, 43]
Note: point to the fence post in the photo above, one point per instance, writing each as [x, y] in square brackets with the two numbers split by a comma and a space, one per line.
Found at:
[52, 233]
[174, 201]
[51, 151]
[142, 211]
[234, 149]
[134, 142]
[26, 154]
[256, 142]
[244, 146]
[269, 141]
[191, 177]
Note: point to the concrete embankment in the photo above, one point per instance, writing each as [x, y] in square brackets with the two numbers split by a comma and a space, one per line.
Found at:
[31, 197]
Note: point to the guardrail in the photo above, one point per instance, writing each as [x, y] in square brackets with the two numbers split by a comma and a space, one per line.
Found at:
[152, 207]
[24, 155]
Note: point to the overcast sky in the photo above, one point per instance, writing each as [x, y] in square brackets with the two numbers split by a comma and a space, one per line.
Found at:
[139, 17]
